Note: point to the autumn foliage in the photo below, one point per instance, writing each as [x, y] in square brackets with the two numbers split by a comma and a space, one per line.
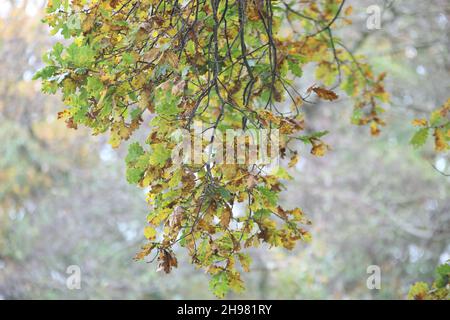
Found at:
[229, 65]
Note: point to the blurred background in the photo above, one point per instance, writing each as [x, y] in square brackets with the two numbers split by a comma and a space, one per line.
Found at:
[64, 199]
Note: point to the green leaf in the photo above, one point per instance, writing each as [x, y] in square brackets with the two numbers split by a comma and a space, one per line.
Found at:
[317, 135]
[166, 104]
[137, 162]
[45, 73]
[54, 6]
[435, 118]
[261, 213]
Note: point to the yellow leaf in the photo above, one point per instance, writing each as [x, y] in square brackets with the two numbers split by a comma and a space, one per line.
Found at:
[439, 141]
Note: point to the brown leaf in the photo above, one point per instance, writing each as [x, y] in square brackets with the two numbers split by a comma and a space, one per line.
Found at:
[293, 160]
[281, 212]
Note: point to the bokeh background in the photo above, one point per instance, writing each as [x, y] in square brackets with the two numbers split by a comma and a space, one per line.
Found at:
[64, 199]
